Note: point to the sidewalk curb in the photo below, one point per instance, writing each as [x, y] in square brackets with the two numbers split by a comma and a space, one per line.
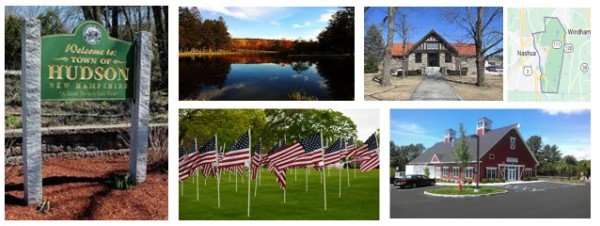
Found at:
[464, 196]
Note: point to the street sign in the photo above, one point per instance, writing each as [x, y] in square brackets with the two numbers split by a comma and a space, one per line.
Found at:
[86, 65]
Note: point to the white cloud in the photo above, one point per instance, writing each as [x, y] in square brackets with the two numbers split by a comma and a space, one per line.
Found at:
[242, 13]
[306, 24]
[275, 23]
[407, 128]
[326, 16]
[557, 111]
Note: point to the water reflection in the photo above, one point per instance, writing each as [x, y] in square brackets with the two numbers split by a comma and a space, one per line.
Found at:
[265, 77]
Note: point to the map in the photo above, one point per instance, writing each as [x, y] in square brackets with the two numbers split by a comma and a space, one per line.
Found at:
[548, 54]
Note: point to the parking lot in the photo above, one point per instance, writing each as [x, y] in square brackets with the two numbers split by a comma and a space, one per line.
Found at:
[532, 200]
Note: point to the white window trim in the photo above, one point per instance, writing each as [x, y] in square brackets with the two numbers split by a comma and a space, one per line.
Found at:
[487, 169]
[466, 173]
[454, 170]
[492, 156]
[445, 171]
[513, 143]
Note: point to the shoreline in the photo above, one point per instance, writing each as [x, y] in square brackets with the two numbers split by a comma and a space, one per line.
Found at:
[241, 52]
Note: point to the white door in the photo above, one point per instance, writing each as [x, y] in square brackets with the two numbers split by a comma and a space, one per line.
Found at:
[438, 172]
[512, 174]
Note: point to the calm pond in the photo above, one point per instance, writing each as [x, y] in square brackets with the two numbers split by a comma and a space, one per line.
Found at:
[265, 77]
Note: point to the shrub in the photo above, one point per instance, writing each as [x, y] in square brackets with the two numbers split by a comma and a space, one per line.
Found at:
[120, 181]
[371, 64]
[43, 207]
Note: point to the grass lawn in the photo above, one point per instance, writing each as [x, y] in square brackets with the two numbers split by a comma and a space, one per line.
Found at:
[467, 90]
[466, 191]
[401, 88]
[360, 201]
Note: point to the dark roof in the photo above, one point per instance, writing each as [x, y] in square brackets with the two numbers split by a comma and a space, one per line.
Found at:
[445, 151]
[462, 49]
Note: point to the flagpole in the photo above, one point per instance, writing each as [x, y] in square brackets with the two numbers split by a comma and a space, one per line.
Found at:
[249, 167]
[345, 163]
[285, 188]
[340, 169]
[354, 163]
[306, 179]
[257, 170]
[324, 177]
[218, 175]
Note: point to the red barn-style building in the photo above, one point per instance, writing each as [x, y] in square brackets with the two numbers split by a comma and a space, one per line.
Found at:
[503, 154]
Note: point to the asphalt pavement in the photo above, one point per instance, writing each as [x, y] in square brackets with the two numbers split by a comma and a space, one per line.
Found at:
[533, 200]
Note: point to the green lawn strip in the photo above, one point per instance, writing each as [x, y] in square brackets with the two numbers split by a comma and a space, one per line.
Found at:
[466, 191]
[360, 201]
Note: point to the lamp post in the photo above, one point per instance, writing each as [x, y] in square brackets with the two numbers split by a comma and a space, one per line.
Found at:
[478, 176]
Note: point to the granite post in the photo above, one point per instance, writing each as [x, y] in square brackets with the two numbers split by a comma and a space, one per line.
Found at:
[140, 116]
[31, 55]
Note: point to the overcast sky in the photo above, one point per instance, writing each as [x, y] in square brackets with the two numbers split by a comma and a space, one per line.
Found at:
[366, 120]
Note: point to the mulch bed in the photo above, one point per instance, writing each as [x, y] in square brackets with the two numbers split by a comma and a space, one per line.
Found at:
[77, 189]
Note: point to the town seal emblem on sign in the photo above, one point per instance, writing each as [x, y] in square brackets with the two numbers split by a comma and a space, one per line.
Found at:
[92, 35]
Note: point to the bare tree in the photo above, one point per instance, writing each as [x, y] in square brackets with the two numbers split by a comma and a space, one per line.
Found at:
[161, 37]
[480, 29]
[405, 31]
[387, 57]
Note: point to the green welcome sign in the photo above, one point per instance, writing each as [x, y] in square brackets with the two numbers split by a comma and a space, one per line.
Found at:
[86, 65]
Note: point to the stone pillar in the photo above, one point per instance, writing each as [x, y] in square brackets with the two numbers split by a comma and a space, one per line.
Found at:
[140, 106]
[31, 55]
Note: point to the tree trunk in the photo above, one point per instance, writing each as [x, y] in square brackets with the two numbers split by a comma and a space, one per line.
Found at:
[404, 45]
[114, 31]
[91, 13]
[387, 58]
[480, 59]
[160, 38]
[128, 21]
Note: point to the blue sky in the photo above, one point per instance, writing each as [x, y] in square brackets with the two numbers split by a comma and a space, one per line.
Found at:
[271, 22]
[423, 20]
[568, 129]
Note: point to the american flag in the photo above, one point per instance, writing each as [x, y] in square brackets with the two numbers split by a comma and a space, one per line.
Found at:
[349, 147]
[279, 174]
[287, 155]
[239, 153]
[334, 154]
[257, 159]
[183, 171]
[208, 156]
[312, 156]
[188, 165]
[371, 156]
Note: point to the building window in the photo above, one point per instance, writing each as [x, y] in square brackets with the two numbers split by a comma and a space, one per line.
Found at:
[528, 172]
[417, 58]
[491, 172]
[445, 171]
[448, 57]
[432, 45]
[455, 172]
[469, 173]
[513, 143]
[492, 156]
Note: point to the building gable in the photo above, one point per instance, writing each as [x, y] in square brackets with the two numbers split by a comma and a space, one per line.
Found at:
[432, 41]
[501, 152]
[435, 158]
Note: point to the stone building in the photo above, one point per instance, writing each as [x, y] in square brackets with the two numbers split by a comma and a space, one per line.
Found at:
[433, 55]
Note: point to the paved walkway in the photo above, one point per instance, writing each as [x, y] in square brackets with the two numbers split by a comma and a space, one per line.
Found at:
[434, 89]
